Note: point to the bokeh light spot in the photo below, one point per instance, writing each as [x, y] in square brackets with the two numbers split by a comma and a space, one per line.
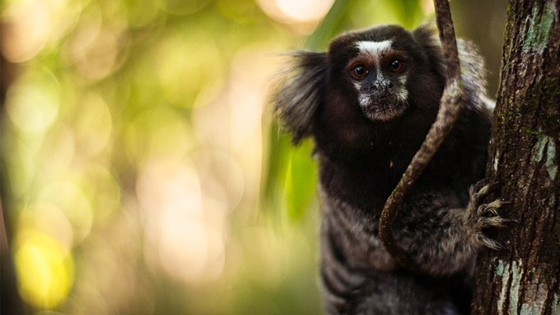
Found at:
[28, 28]
[50, 220]
[74, 201]
[45, 269]
[183, 239]
[290, 11]
[33, 101]
[93, 125]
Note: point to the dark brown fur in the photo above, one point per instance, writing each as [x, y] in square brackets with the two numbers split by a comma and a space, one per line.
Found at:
[361, 161]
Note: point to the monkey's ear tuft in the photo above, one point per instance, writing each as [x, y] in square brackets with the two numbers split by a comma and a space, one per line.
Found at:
[427, 36]
[473, 75]
[472, 65]
[299, 93]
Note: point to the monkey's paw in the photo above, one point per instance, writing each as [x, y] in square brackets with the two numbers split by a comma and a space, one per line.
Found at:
[483, 216]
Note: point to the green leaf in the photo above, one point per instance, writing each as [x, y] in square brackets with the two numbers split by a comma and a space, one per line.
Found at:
[301, 177]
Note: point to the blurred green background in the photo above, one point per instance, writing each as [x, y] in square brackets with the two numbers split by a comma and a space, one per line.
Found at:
[142, 172]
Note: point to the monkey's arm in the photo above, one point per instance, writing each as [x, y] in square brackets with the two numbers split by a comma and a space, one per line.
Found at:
[440, 236]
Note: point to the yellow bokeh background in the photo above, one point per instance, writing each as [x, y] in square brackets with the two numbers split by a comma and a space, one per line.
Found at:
[142, 171]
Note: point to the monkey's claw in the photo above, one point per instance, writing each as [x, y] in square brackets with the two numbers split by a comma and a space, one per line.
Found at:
[482, 216]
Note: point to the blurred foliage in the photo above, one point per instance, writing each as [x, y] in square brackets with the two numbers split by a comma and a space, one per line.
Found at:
[142, 171]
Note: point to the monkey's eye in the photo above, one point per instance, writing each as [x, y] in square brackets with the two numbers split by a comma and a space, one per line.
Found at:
[397, 65]
[359, 72]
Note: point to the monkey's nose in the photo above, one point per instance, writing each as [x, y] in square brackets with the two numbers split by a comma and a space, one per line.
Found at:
[379, 87]
[384, 84]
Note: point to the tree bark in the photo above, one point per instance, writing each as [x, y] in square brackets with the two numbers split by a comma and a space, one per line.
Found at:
[524, 157]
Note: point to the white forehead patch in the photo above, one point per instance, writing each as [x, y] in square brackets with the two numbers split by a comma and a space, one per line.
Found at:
[374, 48]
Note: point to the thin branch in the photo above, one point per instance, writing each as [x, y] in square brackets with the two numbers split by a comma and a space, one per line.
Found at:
[450, 106]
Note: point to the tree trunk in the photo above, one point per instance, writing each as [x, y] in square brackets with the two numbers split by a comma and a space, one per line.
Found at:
[524, 157]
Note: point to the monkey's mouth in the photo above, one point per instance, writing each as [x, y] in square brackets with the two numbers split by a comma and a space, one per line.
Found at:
[384, 108]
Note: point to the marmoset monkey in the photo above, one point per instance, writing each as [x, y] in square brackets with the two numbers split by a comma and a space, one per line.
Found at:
[368, 103]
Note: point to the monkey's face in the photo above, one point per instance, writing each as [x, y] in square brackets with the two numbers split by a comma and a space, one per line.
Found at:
[378, 73]
[380, 79]
[375, 66]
